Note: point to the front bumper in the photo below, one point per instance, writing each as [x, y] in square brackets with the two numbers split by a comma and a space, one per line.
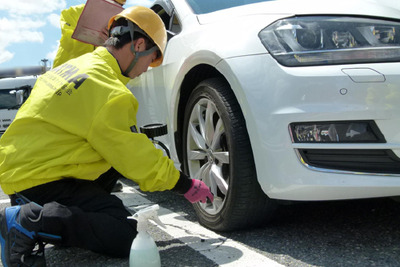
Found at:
[272, 97]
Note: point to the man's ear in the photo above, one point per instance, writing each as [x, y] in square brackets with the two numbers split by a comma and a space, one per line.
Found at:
[140, 44]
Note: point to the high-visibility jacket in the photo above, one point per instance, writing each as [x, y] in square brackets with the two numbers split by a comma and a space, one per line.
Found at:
[70, 48]
[80, 120]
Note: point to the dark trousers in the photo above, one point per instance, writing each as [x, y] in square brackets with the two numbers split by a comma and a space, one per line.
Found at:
[85, 214]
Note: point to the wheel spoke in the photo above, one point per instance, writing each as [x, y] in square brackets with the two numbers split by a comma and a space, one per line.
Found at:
[219, 130]
[203, 173]
[215, 206]
[211, 182]
[222, 157]
[209, 123]
[207, 173]
[196, 155]
[197, 137]
[200, 119]
[217, 177]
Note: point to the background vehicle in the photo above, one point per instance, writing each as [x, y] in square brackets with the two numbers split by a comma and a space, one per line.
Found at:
[14, 91]
[278, 100]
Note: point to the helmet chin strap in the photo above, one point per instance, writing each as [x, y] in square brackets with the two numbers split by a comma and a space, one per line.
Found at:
[136, 54]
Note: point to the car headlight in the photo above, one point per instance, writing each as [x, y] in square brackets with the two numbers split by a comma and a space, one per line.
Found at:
[307, 41]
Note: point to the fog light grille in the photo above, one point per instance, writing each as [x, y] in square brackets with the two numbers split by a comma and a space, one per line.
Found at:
[353, 160]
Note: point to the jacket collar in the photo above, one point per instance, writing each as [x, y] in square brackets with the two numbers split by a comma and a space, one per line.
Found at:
[112, 62]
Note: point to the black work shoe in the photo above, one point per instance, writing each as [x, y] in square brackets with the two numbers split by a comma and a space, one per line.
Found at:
[17, 242]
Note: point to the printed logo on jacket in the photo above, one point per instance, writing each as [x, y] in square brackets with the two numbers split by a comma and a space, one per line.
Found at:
[64, 79]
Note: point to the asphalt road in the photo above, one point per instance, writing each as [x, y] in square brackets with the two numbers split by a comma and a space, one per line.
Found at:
[342, 233]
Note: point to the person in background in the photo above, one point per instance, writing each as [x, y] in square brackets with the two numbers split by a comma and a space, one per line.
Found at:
[70, 48]
[61, 156]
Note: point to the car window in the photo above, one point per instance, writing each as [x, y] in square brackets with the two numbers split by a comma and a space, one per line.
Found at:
[207, 6]
[170, 20]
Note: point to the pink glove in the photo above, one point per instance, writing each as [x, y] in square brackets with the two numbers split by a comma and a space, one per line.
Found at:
[199, 192]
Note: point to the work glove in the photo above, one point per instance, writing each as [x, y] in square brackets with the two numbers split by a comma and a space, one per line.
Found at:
[199, 191]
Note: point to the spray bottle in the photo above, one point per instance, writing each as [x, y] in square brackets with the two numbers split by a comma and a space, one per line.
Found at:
[144, 252]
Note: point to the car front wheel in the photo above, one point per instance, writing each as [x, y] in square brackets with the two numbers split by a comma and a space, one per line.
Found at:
[217, 150]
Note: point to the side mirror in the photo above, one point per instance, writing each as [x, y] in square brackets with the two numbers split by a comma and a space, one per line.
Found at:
[19, 96]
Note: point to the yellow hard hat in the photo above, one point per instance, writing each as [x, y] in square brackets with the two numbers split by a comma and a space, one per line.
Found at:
[121, 2]
[147, 20]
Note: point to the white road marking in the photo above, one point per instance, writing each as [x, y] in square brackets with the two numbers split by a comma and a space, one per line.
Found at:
[221, 250]
[5, 201]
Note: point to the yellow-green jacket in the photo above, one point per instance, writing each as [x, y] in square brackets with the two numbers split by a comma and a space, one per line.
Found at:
[78, 123]
[70, 48]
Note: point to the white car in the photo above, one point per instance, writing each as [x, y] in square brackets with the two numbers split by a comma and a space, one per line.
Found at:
[285, 100]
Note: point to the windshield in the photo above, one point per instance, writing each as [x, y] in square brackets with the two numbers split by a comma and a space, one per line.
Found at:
[207, 6]
[13, 98]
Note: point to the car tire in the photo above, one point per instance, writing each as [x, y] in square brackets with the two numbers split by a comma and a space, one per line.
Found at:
[217, 150]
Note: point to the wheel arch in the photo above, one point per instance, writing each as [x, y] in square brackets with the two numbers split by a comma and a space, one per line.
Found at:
[192, 78]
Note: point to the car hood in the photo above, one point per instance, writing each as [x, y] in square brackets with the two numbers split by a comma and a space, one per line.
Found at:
[286, 8]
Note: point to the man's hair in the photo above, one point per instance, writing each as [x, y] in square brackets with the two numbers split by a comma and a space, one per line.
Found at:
[119, 41]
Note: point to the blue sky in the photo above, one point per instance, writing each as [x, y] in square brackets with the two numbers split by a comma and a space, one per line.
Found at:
[30, 29]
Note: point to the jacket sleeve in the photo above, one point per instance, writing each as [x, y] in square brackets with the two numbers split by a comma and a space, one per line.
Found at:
[70, 48]
[131, 154]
